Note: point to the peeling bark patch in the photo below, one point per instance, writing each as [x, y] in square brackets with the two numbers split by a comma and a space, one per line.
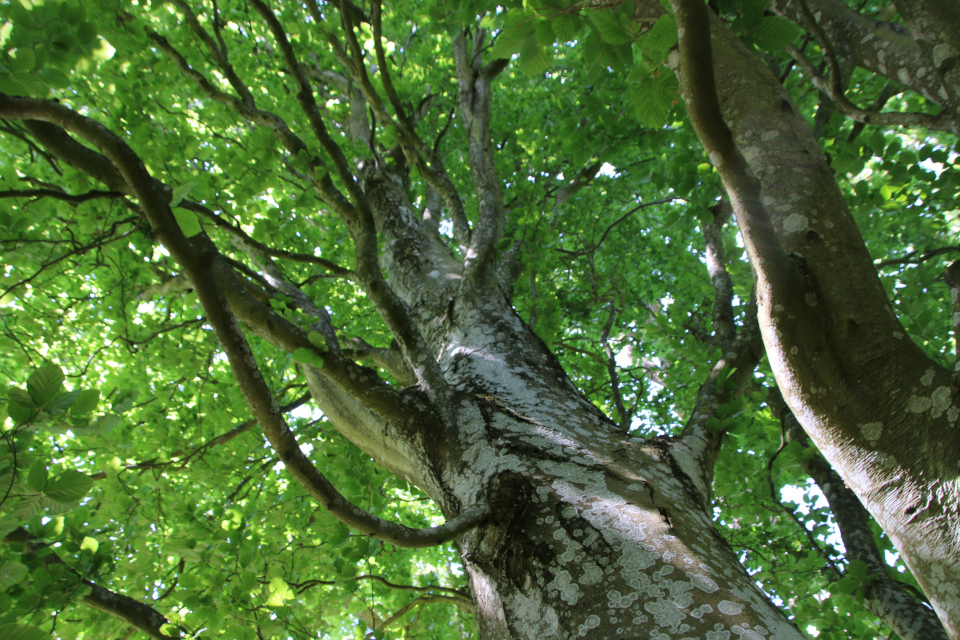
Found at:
[871, 431]
[918, 404]
[795, 223]
[937, 403]
[591, 622]
[730, 608]
[940, 400]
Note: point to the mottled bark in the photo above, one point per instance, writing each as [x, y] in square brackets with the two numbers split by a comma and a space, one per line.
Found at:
[884, 595]
[880, 411]
[883, 48]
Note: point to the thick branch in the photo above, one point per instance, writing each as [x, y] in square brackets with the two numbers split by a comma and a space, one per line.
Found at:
[834, 90]
[885, 596]
[723, 322]
[880, 47]
[135, 613]
[198, 265]
[475, 107]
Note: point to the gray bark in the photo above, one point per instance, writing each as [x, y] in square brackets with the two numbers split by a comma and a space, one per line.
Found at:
[882, 413]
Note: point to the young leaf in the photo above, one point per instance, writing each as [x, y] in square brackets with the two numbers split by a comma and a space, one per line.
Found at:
[774, 33]
[87, 400]
[37, 476]
[303, 356]
[188, 221]
[89, 544]
[608, 26]
[180, 193]
[69, 486]
[45, 383]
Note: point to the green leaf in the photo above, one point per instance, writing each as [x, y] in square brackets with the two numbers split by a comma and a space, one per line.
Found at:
[517, 28]
[651, 102]
[662, 36]
[104, 424]
[45, 383]
[12, 573]
[534, 59]
[37, 477]
[29, 507]
[62, 401]
[22, 632]
[21, 406]
[188, 221]
[857, 569]
[87, 400]
[565, 27]
[608, 25]
[846, 585]
[774, 33]
[69, 486]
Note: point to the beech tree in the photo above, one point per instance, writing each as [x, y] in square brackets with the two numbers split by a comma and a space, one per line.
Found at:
[429, 320]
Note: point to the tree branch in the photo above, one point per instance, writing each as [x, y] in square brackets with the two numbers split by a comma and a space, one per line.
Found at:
[59, 195]
[885, 596]
[198, 266]
[240, 234]
[133, 612]
[834, 90]
[475, 108]
[723, 322]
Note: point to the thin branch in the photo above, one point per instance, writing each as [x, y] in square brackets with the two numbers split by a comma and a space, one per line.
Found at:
[60, 195]
[603, 236]
[917, 257]
[219, 53]
[723, 322]
[237, 232]
[107, 239]
[199, 265]
[611, 364]
[834, 90]
[884, 595]
[952, 278]
[426, 159]
[303, 586]
[476, 106]
[791, 513]
[389, 305]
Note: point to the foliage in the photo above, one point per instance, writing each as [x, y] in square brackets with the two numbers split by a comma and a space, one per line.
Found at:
[127, 446]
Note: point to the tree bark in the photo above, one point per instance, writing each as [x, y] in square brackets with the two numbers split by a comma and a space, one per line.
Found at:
[880, 410]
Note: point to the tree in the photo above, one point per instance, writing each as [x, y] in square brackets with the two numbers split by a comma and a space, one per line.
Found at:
[282, 276]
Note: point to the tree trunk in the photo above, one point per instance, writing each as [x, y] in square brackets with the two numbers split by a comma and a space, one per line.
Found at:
[595, 534]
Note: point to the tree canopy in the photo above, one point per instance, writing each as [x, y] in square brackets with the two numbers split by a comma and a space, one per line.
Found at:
[141, 485]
